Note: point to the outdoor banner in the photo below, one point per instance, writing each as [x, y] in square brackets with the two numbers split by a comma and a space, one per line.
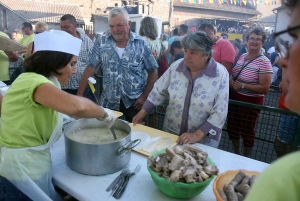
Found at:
[235, 2]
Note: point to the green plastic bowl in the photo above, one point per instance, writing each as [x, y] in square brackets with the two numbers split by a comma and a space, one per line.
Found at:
[178, 189]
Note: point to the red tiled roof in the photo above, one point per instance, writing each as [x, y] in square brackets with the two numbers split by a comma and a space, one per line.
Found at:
[34, 11]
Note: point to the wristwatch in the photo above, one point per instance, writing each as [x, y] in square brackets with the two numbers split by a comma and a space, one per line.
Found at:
[104, 117]
[243, 85]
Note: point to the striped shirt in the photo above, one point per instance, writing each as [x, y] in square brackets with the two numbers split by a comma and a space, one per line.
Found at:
[82, 62]
[250, 74]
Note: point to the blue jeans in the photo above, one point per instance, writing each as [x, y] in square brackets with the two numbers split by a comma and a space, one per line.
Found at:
[8, 192]
[287, 127]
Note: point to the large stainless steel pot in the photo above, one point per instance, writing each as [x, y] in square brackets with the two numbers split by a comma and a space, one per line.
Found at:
[98, 159]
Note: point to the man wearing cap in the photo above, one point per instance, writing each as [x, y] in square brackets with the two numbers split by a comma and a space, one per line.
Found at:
[127, 64]
[31, 117]
[68, 24]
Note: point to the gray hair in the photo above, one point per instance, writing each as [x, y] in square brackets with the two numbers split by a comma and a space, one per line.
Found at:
[118, 10]
[42, 25]
[198, 41]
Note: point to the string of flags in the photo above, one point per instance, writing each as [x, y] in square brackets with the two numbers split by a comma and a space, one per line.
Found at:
[235, 2]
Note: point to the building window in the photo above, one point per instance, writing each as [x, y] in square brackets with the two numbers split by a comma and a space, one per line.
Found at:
[4, 19]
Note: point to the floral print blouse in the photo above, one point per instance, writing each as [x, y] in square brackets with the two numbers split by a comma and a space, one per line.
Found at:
[194, 103]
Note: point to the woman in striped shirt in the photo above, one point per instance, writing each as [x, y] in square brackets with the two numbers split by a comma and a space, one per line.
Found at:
[250, 80]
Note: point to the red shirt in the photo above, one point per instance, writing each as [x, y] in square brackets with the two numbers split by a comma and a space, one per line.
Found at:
[223, 50]
[281, 103]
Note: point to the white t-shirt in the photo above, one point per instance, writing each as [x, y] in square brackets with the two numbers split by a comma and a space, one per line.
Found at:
[179, 38]
[271, 50]
[120, 52]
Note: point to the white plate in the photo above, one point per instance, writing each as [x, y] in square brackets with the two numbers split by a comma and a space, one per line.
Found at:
[140, 135]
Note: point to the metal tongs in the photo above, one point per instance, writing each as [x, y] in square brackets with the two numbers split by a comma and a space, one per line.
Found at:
[91, 82]
[118, 186]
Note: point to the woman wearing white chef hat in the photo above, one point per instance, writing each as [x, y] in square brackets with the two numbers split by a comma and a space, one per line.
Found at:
[31, 119]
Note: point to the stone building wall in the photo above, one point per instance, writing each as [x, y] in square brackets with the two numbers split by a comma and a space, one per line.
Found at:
[13, 21]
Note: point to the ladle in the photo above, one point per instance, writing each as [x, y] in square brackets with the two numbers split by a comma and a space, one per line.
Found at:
[91, 82]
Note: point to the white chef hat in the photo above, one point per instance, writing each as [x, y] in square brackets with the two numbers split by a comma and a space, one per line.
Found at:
[56, 40]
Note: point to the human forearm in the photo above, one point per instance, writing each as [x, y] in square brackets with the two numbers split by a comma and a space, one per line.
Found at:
[88, 72]
[187, 138]
[276, 61]
[28, 51]
[218, 113]
[152, 77]
[86, 109]
[46, 94]
[22, 51]
[259, 89]
[1, 97]
[12, 56]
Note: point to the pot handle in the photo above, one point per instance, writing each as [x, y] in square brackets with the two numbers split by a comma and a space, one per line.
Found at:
[130, 145]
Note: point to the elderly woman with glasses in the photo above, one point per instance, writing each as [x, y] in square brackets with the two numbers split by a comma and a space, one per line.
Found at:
[250, 80]
[197, 89]
[281, 180]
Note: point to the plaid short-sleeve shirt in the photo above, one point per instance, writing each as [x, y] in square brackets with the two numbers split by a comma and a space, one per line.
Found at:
[82, 62]
[123, 78]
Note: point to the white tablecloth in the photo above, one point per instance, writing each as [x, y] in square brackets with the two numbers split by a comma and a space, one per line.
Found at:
[140, 186]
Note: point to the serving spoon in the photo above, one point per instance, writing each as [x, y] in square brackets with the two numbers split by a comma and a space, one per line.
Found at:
[91, 82]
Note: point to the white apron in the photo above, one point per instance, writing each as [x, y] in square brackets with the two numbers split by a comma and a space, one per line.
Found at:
[30, 168]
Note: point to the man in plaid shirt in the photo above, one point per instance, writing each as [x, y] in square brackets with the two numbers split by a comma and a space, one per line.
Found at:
[128, 66]
[68, 24]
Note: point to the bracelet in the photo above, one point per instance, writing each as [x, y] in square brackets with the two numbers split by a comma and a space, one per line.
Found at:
[104, 117]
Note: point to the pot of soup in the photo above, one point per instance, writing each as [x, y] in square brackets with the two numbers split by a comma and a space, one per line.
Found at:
[92, 150]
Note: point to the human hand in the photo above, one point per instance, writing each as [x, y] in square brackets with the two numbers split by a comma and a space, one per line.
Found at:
[237, 85]
[139, 102]
[188, 138]
[231, 83]
[11, 54]
[111, 117]
[280, 87]
[138, 118]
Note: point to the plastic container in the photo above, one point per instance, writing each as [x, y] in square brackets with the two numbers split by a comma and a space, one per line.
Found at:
[225, 178]
[178, 189]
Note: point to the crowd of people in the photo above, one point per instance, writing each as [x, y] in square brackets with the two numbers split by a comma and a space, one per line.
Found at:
[205, 70]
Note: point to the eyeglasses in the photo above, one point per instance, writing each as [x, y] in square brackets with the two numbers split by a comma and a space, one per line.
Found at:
[37, 32]
[257, 40]
[282, 45]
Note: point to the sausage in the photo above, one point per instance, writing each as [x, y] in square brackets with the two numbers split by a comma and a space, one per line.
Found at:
[237, 179]
[252, 180]
[222, 194]
[229, 191]
[245, 180]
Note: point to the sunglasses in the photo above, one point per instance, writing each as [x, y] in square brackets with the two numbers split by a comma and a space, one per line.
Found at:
[283, 46]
